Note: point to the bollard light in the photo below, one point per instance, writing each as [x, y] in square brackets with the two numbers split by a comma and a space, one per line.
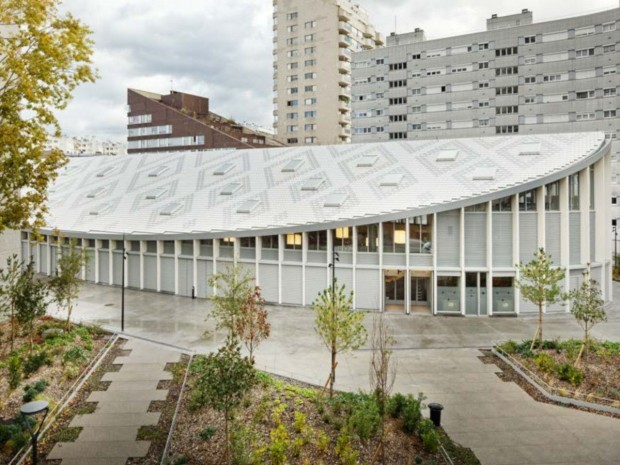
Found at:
[32, 409]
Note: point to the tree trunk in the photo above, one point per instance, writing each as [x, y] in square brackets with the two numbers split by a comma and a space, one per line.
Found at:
[12, 327]
[540, 327]
[332, 378]
[227, 438]
[69, 309]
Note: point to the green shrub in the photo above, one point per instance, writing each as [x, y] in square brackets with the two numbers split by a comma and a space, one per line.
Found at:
[567, 372]
[32, 390]
[365, 419]
[75, 355]
[208, 433]
[544, 362]
[241, 446]
[35, 361]
[279, 445]
[15, 371]
[412, 413]
[396, 405]
[70, 371]
[345, 452]
[510, 347]
[300, 422]
[322, 442]
[429, 436]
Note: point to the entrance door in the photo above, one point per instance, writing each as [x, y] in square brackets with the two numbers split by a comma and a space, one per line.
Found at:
[475, 293]
[419, 291]
[394, 284]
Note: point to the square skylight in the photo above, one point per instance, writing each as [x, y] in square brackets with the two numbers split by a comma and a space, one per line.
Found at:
[335, 200]
[529, 148]
[367, 161]
[223, 169]
[157, 193]
[231, 188]
[171, 209]
[447, 155]
[292, 165]
[391, 180]
[248, 206]
[313, 184]
[158, 171]
[104, 172]
[96, 193]
[484, 173]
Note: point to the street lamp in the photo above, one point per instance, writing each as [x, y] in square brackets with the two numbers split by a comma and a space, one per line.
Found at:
[31, 409]
[123, 286]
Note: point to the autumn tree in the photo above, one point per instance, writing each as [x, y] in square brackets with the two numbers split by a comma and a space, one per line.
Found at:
[30, 301]
[224, 380]
[382, 369]
[9, 285]
[44, 57]
[65, 286]
[252, 326]
[587, 306]
[231, 288]
[539, 283]
[340, 328]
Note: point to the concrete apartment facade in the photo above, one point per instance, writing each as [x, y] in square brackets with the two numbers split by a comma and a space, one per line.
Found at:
[516, 77]
[313, 44]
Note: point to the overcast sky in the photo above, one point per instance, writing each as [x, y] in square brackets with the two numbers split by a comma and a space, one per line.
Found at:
[221, 49]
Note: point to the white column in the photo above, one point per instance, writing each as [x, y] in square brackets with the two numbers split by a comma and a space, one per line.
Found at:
[407, 271]
[516, 246]
[540, 210]
[195, 256]
[216, 255]
[304, 261]
[110, 261]
[142, 250]
[434, 274]
[584, 209]
[281, 239]
[565, 235]
[354, 262]
[258, 253]
[177, 252]
[97, 247]
[125, 262]
[236, 249]
[489, 257]
[48, 255]
[381, 273]
[160, 251]
[462, 260]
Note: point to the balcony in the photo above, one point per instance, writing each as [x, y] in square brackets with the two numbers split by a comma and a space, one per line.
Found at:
[344, 15]
[344, 67]
[379, 40]
[344, 41]
[369, 33]
[368, 44]
[344, 54]
[344, 80]
[344, 28]
[344, 119]
[343, 107]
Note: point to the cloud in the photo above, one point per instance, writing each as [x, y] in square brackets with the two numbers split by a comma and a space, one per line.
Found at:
[222, 49]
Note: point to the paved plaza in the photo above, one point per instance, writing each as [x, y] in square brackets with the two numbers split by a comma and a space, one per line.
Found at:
[435, 355]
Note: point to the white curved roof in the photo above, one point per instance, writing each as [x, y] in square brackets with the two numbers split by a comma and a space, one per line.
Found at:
[239, 192]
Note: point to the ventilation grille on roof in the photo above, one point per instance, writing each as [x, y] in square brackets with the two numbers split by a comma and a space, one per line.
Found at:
[367, 161]
[391, 180]
[447, 155]
[171, 209]
[104, 172]
[157, 193]
[100, 209]
[231, 188]
[484, 174]
[313, 184]
[158, 171]
[96, 193]
[292, 165]
[335, 200]
[248, 206]
[223, 169]
[529, 148]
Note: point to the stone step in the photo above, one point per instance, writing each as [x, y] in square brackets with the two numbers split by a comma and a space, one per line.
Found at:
[146, 375]
[133, 385]
[152, 357]
[108, 433]
[127, 396]
[95, 461]
[116, 419]
[139, 367]
[138, 406]
[100, 450]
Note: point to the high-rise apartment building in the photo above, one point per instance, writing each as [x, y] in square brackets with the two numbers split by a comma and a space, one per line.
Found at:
[313, 43]
[516, 77]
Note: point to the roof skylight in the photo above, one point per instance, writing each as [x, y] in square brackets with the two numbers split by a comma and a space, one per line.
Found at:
[335, 200]
[391, 180]
[293, 165]
[158, 171]
[529, 148]
[155, 194]
[447, 155]
[484, 173]
[248, 206]
[313, 183]
[172, 209]
[231, 188]
[367, 161]
[223, 169]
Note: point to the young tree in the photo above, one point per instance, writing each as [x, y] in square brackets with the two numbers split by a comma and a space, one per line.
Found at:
[42, 61]
[587, 306]
[340, 328]
[231, 288]
[382, 369]
[65, 286]
[9, 280]
[539, 283]
[225, 380]
[252, 326]
[30, 302]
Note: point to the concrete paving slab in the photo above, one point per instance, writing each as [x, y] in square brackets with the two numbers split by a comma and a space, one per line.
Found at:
[127, 396]
[136, 406]
[109, 433]
[99, 450]
[147, 358]
[116, 419]
[92, 461]
[145, 385]
[146, 375]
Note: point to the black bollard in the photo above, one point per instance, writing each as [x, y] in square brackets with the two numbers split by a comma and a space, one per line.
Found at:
[435, 413]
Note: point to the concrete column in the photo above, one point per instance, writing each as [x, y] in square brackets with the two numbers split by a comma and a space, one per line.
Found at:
[584, 216]
[142, 250]
[565, 234]
[160, 251]
[489, 259]
[381, 273]
[259, 256]
[281, 243]
[110, 261]
[434, 253]
[195, 255]
[462, 259]
[177, 252]
[216, 255]
[96, 264]
[304, 261]
[407, 270]
[516, 252]
[542, 224]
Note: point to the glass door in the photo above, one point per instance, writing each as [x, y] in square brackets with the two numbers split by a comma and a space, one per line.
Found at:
[419, 291]
[394, 284]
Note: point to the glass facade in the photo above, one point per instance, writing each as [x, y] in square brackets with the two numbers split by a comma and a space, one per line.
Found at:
[368, 238]
[421, 234]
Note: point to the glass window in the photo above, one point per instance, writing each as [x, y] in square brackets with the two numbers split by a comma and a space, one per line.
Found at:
[448, 294]
[135, 246]
[227, 242]
[317, 240]
[503, 294]
[527, 201]
[394, 236]
[479, 207]
[248, 242]
[368, 238]
[502, 205]
[270, 242]
[169, 247]
[151, 246]
[293, 241]
[343, 239]
[591, 171]
[573, 192]
[552, 196]
[420, 234]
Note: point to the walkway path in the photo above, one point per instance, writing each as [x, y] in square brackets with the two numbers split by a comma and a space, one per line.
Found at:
[108, 435]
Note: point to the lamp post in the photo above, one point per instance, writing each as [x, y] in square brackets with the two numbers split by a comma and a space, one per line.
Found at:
[123, 286]
[32, 409]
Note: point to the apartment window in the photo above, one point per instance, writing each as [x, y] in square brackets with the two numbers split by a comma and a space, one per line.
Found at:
[530, 60]
[507, 110]
[293, 65]
[309, 127]
[379, 61]
[483, 84]
[609, 48]
[309, 75]
[527, 201]
[292, 128]
[529, 99]
[398, 135]
[552, 197]
[500, 52]
[609, 70]
[585, 94]
[434, 72]
[291, 41]
[483, 104]
[416, 127]
[379, 112]
[310, 140]
[483, 65]
[483, 122]
[609, 114]
[380, 129]
[398, 101]
[510, 129]
[140, 119]
[310, 114]
[291, 116]
[552, 77]
[310, 88]
[506, 70]
[293, 241]
[416, 91]
[435, 53]
[506, 90]
[483, 46]
[397, 118]
[308, 37]
[310, 101]
[310, 24]
[585, 52]
[609, 92]
[379, 78]
[292, 78]
[397, 66]
[609, 27]
[317, 240]
[584, 31]
[416, 56]
[293, 90]
[292, 53]
[610, 135]
[460, 69]
[530, 79]
[292, 28]
[310, 50]
[293, 140]
[291, 16]
[310, 62]
[416, 109]
[529, 39]
[586, 116]
[398, 83]
[291, 103]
